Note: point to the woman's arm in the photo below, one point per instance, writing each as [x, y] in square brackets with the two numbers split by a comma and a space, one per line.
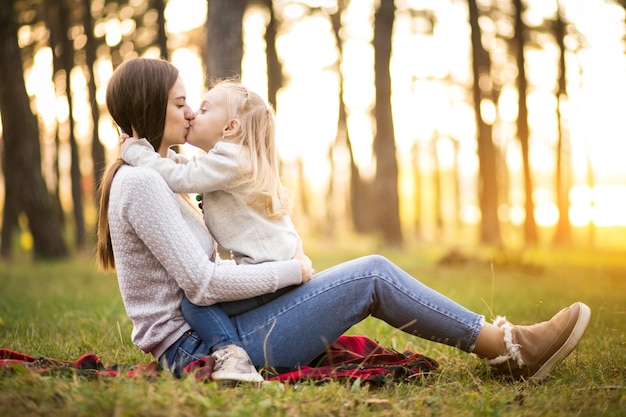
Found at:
[215, 170]
[150, 208]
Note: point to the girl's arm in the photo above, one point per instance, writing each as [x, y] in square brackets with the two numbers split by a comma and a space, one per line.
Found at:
[176, 157]
[215, 170]
[155, 215]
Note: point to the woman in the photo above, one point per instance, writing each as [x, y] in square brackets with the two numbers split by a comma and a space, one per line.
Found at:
[162, 251]
[238, 178]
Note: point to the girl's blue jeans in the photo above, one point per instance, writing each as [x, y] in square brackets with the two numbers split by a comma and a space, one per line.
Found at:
[297, 326]
[213, 323]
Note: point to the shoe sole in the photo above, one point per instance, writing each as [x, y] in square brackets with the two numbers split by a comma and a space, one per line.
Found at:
[570, 344]
[235, 377]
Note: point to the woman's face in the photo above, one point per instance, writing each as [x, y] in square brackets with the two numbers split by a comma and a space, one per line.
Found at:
[177, 117]
[210, 123]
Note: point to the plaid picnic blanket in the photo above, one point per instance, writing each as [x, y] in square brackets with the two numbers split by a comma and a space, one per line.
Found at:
[348, 358]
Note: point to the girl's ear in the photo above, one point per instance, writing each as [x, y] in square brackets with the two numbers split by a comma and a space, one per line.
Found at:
[231, 128]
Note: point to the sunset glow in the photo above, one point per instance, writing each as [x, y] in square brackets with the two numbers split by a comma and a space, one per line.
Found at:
[431, 76]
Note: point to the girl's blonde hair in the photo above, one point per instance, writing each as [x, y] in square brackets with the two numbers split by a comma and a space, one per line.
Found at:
[256, 134]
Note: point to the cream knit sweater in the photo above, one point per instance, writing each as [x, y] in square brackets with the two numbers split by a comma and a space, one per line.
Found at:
[250, 235]
[162, 250]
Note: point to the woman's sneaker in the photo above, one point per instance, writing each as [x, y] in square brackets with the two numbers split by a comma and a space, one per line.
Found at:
[533, 351]
[232, 363]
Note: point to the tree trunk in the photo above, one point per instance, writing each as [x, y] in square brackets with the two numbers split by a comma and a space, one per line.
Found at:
[97, 149]
[457, 186]
[22, 163]
[437, 185]
[274, 67]
[417, 195]
[591, 181]
[224, 46]
[9, 213]
[386, 181]
[342, 139]
[57, 14]
[563, 226]
[488, 184]
[530, 227]
[159, 6]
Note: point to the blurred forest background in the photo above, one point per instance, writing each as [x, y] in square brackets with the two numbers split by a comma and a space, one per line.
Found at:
[491, 122]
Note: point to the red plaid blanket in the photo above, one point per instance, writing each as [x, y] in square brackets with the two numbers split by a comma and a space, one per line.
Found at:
[348, 358]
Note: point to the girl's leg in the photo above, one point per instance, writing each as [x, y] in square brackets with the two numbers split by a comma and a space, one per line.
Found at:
[211, 323]
[218, 332]
[295, 328]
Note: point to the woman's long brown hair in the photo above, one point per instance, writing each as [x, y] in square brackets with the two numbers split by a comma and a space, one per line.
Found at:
[136, 97]
[106, 259]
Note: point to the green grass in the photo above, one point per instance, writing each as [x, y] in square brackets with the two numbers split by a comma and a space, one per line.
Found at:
[64, 309]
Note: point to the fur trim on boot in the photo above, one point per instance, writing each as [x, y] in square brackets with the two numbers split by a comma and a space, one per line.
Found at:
[512, 349]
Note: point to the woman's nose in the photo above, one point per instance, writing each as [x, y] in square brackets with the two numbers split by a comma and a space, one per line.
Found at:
[189, 114]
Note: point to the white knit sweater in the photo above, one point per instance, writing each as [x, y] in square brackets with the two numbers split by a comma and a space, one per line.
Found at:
[250, 235]
[163, 249]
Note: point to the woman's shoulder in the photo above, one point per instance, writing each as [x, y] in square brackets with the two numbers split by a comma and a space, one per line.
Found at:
[139, 178]
[128, 172]
[139, 190]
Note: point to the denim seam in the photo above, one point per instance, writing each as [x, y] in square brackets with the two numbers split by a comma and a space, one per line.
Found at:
[280, 313]
[472, 336]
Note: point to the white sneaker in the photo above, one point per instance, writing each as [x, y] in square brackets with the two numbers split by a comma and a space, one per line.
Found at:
[232, 363]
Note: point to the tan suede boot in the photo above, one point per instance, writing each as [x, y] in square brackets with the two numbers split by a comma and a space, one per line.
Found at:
[533, 351]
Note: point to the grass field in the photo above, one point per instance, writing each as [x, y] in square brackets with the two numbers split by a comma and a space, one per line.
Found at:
[65, 309]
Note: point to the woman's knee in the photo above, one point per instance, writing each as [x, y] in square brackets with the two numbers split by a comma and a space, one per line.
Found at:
[377, 262]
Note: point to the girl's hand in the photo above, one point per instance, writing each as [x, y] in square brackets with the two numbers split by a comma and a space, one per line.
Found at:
[306, 266]
[123, 138]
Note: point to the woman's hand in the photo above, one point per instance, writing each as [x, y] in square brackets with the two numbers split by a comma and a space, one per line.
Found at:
[306, 266]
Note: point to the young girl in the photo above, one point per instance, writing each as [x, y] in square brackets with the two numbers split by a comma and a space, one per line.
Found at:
[240, 183]
[238, 176]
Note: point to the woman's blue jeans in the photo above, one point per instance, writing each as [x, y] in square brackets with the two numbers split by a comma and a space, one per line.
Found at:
[297, 326]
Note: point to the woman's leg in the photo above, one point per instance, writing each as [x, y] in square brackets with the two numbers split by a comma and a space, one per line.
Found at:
[295, 328]
[188, 348]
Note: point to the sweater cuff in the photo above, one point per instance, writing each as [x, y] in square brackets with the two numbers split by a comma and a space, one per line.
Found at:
[289, 273]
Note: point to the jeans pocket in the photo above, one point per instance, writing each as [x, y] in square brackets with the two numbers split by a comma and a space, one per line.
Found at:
[188, 348]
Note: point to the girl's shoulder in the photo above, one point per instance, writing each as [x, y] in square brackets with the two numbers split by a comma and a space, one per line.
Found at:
[226, 148]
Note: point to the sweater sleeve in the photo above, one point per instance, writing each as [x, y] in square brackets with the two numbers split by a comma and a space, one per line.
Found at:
[216, 170]
[152, 210]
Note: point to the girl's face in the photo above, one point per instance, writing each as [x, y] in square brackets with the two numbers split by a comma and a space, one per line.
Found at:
[177, 118]
[211, 122]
